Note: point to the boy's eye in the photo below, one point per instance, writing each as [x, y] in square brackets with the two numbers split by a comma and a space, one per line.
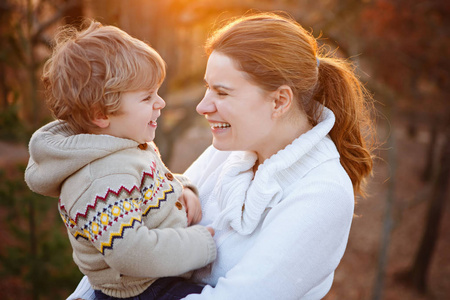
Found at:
[149, 97]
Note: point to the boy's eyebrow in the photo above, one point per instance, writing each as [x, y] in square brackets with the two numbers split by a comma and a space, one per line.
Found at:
[218, 86]
[150, 91]
[146, 93]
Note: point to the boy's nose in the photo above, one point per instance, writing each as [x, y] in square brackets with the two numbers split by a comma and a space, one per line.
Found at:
[160, 103]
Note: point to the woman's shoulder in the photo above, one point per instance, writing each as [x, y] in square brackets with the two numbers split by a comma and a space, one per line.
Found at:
[325, 189]
[325, 194]
[328, 177]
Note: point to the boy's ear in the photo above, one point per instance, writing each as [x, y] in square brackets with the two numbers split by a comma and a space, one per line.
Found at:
[101, 120]
[283, 101]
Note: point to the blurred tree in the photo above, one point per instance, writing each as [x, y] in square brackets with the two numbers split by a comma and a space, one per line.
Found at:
[39, 257]
[414, 46]
[25, 28]
[35, 256]
[417, 274]
[414, 64]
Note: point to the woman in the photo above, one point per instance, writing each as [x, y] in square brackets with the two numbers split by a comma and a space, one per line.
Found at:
[288, 157]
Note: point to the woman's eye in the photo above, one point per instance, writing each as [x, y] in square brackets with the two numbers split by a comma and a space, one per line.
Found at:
[220, 93]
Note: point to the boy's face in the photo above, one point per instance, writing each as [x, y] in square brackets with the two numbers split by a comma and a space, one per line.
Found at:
[136, 118]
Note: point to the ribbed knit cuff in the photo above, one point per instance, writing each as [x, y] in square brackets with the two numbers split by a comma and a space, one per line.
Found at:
[211, 249]
[125, 290]
[185, 182]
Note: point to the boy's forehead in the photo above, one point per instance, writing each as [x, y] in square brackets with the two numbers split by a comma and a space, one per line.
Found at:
[145, 89]
[143, 86]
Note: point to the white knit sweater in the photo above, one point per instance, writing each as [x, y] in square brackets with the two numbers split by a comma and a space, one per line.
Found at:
[292, 233]
[293, 230]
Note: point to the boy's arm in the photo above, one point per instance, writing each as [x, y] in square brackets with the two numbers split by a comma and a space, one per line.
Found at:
[117, 230]
[186, 183]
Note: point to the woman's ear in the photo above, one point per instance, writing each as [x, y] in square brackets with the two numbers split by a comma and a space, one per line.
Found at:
[283, 101]
[101, 120]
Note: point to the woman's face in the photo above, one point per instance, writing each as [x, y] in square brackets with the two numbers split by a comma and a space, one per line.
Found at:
[238, 111]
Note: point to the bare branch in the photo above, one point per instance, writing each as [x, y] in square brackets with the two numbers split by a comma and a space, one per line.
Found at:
[55, 18]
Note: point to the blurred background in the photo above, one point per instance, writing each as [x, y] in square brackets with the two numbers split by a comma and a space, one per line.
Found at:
[400, 239]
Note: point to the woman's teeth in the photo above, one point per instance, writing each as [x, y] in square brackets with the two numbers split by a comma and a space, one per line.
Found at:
[220, 125]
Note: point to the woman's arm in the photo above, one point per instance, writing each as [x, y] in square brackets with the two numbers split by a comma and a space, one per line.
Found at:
[301, 242]
[83, 291]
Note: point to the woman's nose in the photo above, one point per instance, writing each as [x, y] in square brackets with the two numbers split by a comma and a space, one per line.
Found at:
[206, 106]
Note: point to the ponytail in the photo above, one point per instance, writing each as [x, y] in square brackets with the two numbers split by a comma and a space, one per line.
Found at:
[275, 50]
[341, 91]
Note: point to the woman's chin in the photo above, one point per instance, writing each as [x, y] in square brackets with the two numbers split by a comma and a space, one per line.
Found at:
[220, 146]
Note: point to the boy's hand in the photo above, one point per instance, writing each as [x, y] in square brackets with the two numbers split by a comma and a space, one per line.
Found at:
[192, 204]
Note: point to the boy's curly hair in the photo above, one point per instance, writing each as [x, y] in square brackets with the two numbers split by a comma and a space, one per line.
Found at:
[90, 69]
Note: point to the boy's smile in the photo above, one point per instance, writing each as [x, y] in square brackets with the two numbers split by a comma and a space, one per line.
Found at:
[136, 119]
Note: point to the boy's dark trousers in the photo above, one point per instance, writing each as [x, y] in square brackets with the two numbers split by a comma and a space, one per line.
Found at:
[166, 288]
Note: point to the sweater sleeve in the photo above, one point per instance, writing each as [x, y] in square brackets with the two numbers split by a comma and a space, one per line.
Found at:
[186, 183]
[117, 230]
[301, 242]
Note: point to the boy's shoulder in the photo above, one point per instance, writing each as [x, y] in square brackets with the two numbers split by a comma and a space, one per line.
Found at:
[124, 168]
[127, 162]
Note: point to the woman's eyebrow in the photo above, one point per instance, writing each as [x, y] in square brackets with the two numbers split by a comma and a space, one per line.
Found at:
[218, 86]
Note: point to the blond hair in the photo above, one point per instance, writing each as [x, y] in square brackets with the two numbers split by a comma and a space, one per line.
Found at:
[90, 69]
[274, 50]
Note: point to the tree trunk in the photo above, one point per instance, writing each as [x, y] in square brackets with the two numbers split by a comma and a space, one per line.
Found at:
[431, 153]
[388, 222]
[74, 15]
[419, 270]
[35, 290]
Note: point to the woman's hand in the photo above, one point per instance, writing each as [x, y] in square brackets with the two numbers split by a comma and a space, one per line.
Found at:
[192, 204]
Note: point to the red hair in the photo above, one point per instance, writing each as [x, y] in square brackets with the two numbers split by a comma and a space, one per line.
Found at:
[275, 50]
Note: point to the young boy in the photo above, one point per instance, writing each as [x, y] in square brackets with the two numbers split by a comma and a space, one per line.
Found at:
[117, 199]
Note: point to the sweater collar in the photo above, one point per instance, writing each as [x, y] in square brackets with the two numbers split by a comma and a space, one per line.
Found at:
[243, 197]
[311, 148]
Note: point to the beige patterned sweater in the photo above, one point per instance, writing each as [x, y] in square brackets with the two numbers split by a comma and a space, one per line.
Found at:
[120, 206]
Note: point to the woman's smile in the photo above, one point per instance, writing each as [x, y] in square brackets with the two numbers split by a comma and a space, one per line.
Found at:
[219, 127]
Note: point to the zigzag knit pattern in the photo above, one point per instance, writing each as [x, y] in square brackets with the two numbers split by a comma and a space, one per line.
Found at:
[107, 217]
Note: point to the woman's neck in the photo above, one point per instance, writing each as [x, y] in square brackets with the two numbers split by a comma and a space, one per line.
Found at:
[282, 135]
